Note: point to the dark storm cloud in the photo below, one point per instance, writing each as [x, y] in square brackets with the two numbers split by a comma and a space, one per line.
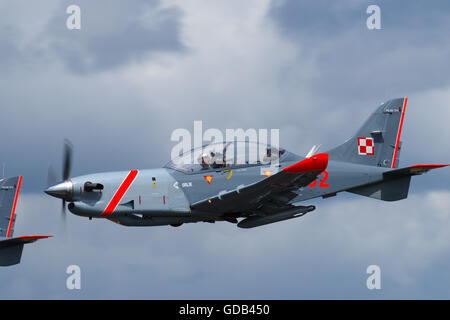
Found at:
[410, 53]
[322, 18]
[126, 34]
[111, 35]
[46, 84]
[326, 19]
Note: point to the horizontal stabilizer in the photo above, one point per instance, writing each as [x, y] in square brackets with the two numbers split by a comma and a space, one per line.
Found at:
[413, 170]
[387, 190]
[395, 183]
[20, 240]
[11, 248]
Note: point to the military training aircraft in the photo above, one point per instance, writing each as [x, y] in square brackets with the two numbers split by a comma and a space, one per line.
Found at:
[224, 182]
[11, 248]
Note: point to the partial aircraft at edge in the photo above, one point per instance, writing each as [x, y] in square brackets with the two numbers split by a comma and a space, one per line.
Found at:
[215, 187]
[11, 248]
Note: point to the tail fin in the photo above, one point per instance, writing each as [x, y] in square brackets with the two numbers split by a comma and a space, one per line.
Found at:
[11, 248]
[377, 142]
[9, 193]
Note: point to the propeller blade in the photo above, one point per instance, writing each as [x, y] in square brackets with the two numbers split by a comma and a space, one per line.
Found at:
[54, 184]
[67, 162]
[52, 177]
[64, 207]
[63, 223]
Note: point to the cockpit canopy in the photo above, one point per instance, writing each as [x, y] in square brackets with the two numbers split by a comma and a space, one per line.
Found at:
[224, 155]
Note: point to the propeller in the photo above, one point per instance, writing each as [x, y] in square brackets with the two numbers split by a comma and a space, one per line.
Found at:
[67, 159]
[54, 183]
[67, 162]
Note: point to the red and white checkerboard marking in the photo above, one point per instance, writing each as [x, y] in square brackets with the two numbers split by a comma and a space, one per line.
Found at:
[366, 146]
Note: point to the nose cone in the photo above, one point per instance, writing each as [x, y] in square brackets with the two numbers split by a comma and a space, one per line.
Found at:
[61, 190]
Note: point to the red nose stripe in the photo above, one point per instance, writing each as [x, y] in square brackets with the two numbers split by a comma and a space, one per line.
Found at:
[120, 193]
[318, 162]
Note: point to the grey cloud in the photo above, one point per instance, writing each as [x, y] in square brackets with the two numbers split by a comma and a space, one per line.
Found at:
[8, 50]
[111, 35]
[128, 39]
[407, 55]
[324, 19]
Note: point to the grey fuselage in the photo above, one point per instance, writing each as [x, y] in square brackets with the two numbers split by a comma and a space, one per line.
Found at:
[164, 196]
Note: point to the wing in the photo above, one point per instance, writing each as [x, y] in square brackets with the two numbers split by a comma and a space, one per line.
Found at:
[274, 192]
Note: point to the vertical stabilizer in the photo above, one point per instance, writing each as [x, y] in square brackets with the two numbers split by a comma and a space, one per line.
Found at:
[9, 193]
[11, 248]
[377, 142]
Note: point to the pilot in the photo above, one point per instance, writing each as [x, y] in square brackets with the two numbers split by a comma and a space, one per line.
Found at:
[271, 154]
[203, 161]
[211, 160]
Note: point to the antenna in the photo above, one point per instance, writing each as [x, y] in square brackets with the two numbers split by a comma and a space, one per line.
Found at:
[313, 150]
[4, 169]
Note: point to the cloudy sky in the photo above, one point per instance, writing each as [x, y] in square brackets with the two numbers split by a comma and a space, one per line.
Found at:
[137, 70]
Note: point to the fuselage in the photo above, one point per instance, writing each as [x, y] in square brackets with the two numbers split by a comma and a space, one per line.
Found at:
[164, 196]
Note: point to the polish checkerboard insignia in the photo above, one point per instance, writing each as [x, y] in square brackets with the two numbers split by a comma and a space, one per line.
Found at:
[366, 146]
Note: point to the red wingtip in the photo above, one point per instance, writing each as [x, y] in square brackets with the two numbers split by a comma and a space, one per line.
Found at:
[318, 162]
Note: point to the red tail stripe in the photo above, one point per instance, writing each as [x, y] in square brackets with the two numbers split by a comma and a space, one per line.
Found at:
[399, 133]
[120, 193]
[11, 219]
